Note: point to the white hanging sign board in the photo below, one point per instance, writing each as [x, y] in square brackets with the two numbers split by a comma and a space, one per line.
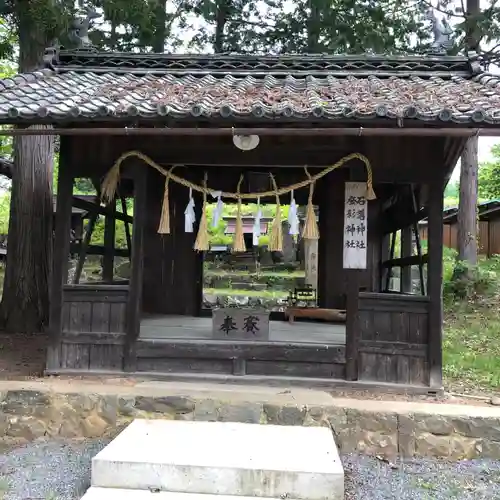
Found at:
[355, 225]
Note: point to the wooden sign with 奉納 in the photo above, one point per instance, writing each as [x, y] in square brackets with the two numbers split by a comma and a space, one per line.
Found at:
[233, 323]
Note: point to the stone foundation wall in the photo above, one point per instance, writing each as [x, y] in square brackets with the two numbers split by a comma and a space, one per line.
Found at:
[26, 415]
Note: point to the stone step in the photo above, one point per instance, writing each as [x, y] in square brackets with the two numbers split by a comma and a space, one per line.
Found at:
[94, 493]
[222, 458]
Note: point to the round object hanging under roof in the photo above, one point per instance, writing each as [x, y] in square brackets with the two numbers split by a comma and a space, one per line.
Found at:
[246, 142]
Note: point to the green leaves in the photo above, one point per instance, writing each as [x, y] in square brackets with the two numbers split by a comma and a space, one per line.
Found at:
[489, 176]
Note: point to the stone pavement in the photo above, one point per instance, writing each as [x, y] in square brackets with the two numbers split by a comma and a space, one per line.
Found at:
[76, 409]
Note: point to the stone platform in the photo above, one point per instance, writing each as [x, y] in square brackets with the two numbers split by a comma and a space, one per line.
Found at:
[83, 408]
[95, 493]
[222, 459]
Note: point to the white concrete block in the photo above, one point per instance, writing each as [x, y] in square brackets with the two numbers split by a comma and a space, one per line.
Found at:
[222, 458]
[94, 493]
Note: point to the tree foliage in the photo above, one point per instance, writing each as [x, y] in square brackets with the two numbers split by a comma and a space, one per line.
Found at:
[489, 176]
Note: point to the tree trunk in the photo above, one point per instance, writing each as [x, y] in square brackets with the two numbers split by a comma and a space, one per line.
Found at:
[467, 207]
[161, 26]
[222, 13]
[25, 300]
[313, 27]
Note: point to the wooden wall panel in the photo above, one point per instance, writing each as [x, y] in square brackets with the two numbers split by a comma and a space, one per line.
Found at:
[93, 327]
[242, 358]
[483, 238]
[495, 237]
[394, 337]
[172, 282]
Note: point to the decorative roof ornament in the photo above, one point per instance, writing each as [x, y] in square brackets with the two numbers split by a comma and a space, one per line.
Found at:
[442, 32]
[79, 30]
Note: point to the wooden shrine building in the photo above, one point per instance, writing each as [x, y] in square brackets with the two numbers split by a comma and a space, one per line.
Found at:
[407, 120]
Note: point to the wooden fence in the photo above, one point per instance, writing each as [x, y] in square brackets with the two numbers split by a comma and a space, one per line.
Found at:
[488, 236]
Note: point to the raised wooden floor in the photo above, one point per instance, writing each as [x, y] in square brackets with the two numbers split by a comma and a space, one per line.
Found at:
[189, 328]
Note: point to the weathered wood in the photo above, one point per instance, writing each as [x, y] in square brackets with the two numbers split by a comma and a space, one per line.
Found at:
[406, 252]
[133, 321]
[393, 330]
[83, 247]
[239, 366]
[105, 356]
[352, 325]
[108, 260]
[126, 224]
[185, 365]
[331, 274]
[270, 351]
[99, 250]
[290, 369]
[311, 262]
[75, 356]
[393, 348]
[405, 261]
[173, 270]
[435, 283]
[97, 208]
[94, 338]
[314, 313]
[60, 254]
[151, 131]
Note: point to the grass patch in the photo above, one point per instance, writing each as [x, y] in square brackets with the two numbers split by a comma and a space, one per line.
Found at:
[264, 274]
[471, 345]
[271, 294]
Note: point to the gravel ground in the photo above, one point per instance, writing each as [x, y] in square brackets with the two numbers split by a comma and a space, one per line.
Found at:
[373, 479]
[53, 470]
[58, 470]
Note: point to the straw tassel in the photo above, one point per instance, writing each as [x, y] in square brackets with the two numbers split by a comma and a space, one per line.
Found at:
[202, 239]
[310, 230]
[276, 236]
[164, 227]
[239, 240]
[109, 185]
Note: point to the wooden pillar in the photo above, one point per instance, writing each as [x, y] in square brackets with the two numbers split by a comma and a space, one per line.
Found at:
[352, 333]
[406, 251]
[108, 259]
[435, 283]
[133, 316]
[60, 253]
[311, 262]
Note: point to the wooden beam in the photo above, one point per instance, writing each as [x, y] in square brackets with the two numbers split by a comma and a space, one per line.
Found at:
[352, 325]
[405, 261]
[356, 130]
[83, 247]
[100, 209]
[435, 283]
[406, 251]
[60, 255]
[416, 231]
[134, 304]
[391, 259]
[108, 260]
[99, 250]
[126, 224]
[397, 220]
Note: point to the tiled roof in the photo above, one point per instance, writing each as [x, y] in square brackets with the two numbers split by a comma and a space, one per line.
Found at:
[93, 86]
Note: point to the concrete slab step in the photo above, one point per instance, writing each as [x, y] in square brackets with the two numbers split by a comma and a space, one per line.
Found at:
[219, 458]
[94, 493]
